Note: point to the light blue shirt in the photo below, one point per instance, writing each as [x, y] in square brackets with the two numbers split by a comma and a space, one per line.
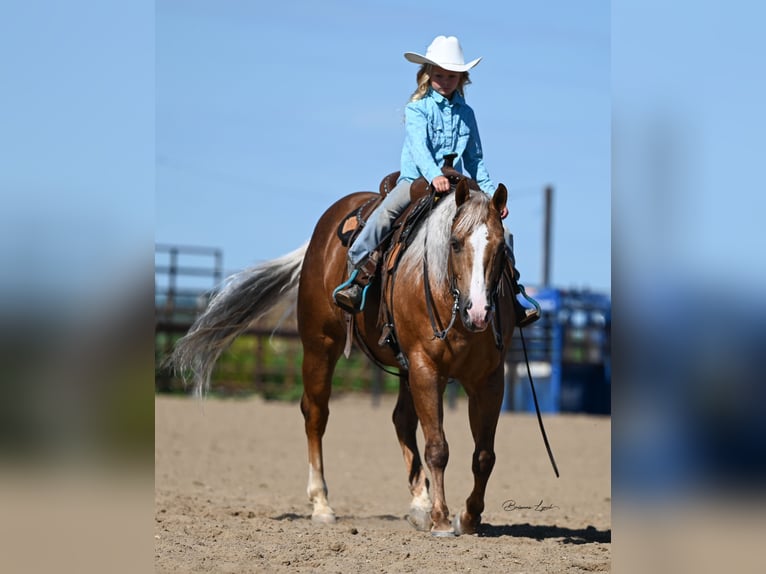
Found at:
[435, 127]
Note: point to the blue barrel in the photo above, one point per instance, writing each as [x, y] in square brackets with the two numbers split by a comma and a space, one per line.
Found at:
[543, 340]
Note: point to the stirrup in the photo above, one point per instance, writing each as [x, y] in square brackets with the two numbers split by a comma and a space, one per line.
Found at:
[345, 285]
[528, 316]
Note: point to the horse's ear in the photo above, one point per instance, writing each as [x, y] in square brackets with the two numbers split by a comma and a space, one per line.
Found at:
[461, 192]
[500, 198]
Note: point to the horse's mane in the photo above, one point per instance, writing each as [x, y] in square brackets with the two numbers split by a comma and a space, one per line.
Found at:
[434, 235]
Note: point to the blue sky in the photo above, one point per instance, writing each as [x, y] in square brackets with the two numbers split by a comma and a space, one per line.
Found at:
[76, 148]
[266, 113]
[199, 122]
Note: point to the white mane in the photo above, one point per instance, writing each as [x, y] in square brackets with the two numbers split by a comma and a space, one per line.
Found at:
[435, 235]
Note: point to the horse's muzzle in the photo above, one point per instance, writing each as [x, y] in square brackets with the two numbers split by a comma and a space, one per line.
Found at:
[476, 319]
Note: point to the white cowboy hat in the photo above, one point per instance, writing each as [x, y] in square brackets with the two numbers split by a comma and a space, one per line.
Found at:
[444, 52]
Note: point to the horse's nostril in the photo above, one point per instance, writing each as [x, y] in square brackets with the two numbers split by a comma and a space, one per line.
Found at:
[468, 305]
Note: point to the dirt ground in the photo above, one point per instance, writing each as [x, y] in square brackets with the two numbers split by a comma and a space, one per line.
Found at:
[230, 492]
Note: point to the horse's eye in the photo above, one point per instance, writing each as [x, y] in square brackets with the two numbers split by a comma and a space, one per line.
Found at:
[455, 244]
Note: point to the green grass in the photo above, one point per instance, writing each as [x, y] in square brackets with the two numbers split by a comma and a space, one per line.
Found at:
[270, 367]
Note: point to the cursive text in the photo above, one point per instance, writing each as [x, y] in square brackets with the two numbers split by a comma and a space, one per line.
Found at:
[511, 505]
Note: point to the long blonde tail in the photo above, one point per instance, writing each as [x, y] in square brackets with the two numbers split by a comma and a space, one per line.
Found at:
[245, 297]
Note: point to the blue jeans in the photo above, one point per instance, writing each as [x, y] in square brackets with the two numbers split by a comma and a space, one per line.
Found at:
[379, 222]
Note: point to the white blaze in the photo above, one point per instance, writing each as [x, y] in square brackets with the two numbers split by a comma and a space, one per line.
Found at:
[478, 293]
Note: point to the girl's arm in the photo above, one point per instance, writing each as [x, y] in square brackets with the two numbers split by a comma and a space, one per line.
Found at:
[416, 139]
[473, 157]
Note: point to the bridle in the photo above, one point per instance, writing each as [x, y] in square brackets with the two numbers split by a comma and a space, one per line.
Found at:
[496, 326]
[427, 285]
[495, 292]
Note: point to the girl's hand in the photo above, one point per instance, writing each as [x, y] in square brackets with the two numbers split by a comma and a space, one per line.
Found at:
[440, 183]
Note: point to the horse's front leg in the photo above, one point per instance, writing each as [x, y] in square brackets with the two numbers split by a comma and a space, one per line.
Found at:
[318, 366]
[427, 389]
[406, 423]
[484, 403]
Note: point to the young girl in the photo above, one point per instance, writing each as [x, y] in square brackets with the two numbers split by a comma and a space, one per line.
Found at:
[438, 123]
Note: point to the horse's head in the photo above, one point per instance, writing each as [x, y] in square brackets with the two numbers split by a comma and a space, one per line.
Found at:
[477, 253]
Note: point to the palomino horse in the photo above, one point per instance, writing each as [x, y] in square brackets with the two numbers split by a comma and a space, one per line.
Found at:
[462, 242]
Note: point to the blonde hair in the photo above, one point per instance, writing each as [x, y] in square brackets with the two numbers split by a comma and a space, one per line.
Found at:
[424, 82]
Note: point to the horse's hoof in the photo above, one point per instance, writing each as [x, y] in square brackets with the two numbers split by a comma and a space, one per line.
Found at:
[323, 518]
[444, 530]
[461, 528]
[419, 519]
[456, 525]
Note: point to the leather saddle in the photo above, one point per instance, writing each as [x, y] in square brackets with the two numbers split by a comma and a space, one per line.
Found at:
[420, 191]
[422, 199]
[352, 224]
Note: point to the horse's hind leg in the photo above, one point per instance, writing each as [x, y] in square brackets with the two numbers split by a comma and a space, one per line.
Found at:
[484, 405]
[318, 365]
[406, 423]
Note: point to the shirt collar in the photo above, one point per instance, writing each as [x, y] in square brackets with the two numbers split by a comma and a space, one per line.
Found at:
[457, 99]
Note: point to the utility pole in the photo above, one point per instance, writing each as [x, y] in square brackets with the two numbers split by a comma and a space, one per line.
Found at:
[547, 235]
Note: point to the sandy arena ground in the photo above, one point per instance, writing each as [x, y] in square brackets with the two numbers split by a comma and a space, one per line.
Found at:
[230, 492]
